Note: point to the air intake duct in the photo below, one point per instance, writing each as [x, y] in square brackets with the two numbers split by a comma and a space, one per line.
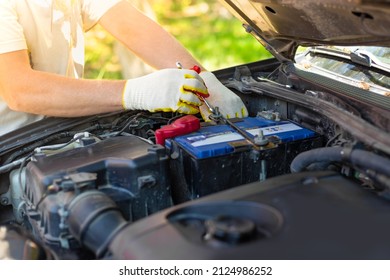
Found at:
[94, 219]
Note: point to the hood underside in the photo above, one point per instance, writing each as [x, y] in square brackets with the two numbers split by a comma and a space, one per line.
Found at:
[283, 25]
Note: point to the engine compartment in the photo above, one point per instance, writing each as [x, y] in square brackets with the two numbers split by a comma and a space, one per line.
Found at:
[70, 186]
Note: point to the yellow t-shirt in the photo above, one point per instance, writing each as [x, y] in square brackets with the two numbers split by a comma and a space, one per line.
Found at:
[53, 33]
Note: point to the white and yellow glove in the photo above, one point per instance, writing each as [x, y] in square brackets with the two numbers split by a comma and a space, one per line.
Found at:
[230, 105]
[167, 90]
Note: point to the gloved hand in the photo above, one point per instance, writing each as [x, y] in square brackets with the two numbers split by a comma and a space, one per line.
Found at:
[167, 90]
[230, 105]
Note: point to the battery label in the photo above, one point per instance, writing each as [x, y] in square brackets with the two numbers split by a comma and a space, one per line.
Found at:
[203, 140]
[211, 139]
[275, 129]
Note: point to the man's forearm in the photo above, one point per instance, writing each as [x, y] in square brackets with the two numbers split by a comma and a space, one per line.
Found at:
[67, 97]
[53, 95]
[32, 91]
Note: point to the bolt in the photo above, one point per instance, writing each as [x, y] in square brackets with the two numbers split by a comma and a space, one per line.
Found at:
[277, 116]
[216, 115]
[4, 201]
[260, 139]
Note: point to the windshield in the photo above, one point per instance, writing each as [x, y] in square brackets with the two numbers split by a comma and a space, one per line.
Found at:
[365, 67]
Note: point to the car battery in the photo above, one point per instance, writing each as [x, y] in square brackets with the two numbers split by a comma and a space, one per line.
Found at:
[218, 157]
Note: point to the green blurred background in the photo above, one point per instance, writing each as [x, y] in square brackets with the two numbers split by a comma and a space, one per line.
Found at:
[205, 28]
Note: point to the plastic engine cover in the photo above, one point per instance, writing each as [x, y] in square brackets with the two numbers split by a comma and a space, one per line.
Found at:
[129, 170]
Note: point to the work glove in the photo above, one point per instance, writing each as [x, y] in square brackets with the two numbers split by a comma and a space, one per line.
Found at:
[167, 90]
[229, 104]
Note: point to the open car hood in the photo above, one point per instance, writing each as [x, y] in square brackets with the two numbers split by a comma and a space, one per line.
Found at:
[283, 25]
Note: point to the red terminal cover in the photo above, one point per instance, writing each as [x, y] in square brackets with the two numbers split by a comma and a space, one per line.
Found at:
[182, 126]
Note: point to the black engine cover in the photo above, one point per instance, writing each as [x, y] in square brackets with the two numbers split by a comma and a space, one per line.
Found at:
[314, 215]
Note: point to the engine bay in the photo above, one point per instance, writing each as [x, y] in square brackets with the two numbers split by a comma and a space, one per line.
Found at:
[70, 186]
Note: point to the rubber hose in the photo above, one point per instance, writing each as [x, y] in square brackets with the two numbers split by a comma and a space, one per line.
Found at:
[360, 158]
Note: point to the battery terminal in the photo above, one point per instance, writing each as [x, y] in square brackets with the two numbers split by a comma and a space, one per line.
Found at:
[216, 115]
[260, 139]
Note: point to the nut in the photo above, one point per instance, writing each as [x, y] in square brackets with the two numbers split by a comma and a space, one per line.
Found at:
[4, 201]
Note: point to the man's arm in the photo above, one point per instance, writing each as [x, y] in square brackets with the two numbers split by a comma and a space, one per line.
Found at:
[31, 91]
[145, 38]
[159, 49]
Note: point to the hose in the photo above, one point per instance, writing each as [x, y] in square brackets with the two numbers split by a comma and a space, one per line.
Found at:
[360, 158]
[94, 219]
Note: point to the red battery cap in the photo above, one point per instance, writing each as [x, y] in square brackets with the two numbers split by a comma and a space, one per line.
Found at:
[182, 126]
[196, 68]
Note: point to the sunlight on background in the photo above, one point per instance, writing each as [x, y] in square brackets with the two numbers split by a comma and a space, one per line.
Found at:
[205, 28]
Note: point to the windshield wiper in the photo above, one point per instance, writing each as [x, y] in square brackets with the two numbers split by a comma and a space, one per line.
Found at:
[361, 57]
[368, 59]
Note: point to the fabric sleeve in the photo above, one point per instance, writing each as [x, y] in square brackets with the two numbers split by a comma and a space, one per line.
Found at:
[93, 10]
[11, 32]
